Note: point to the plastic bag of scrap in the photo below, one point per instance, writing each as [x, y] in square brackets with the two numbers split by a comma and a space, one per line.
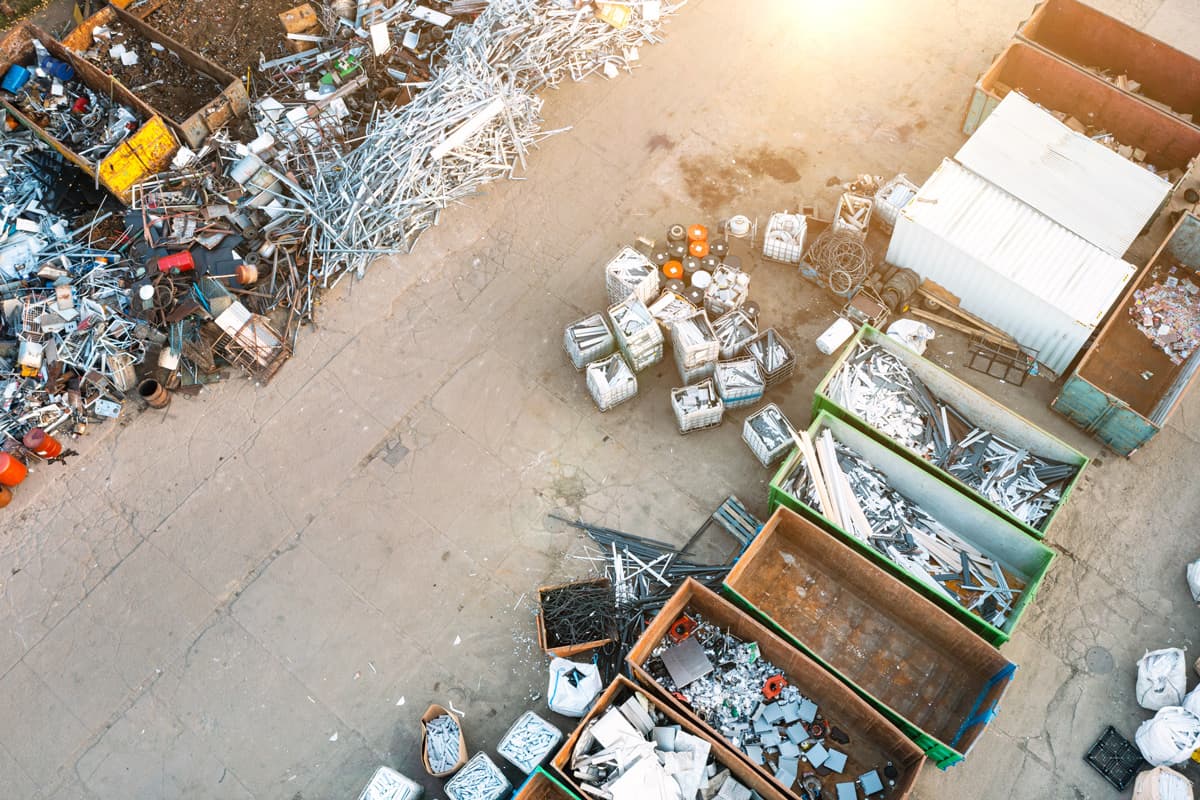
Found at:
[1161, 679]
[573, 687]
[1170, 737]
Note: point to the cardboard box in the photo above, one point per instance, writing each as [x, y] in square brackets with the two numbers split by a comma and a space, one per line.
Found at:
[432, 713]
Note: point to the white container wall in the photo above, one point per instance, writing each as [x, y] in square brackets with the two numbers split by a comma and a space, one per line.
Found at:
[1008, 263]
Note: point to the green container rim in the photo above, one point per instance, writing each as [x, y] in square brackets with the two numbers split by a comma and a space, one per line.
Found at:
[976, 624]
[823, 402]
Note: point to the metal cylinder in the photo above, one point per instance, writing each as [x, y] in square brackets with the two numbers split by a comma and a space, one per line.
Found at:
[698, 248]
[718, 247]
[676, 233]
[675, 286]
[751, 309]
[154, 393]
[673, 269]
[12, 470]
[679, 251]
[690, 265]
[697, 233]
[42, 444]
[902, 285]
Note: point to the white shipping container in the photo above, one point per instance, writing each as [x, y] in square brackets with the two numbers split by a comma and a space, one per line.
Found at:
[1009, 264]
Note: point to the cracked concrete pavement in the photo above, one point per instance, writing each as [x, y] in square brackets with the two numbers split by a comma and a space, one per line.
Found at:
[256, 593]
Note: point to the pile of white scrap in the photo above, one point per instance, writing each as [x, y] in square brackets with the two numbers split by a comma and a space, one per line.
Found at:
[624, 754]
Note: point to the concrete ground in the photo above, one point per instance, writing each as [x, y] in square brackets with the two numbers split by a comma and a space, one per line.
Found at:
[256, 593]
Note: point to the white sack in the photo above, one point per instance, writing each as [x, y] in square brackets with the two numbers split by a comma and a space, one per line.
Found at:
[1170, 737]
[1192, 701]
[912, 334]
[1161, 679]
[1193, 576]
[573, 687]
[1161, 783]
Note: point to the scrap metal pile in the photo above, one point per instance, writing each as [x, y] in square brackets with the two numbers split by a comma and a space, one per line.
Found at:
[1168, 314]
[644, 574]
[881, 389]
[632, 752]
[750, 701]
[862, 503]
[92, 124]
[353, 148]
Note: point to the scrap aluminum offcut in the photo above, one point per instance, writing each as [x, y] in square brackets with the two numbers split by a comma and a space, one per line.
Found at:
[882, 390]
[771, 428]
[1168, 314]
[632, 752]
[442, 743]
[730, 686]
[872, 511]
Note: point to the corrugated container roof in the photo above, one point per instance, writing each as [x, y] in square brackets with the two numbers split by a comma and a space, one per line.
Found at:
[1078, 183]
[1019, 243]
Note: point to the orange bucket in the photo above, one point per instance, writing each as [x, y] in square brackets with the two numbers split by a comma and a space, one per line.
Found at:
[697, 233]
[698, 248]
[42, 443]
[12, 471]
[673, 269]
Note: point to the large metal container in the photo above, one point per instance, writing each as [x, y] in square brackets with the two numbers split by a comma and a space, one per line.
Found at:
[621, 690]
[1092, 40]
[541, 785]
[873, 740]
[974, 522]
[1124, 388]
[925, 672]
[972, 404]
[231, 101]
[147, 151]
[1169, 142]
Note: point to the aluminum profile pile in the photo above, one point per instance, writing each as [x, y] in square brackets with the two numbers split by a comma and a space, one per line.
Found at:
[730, 686]
[480, 779]
[587, 340]
[442, 748]
[671, 308]
[529, 742]
[733, 331]
[697, 407]
[883, 391]
[610, 381]
[739, 382]
[638, 334]
[474, 122]
[768, 434]
[774, 356]
[633, 752]
[727, 290]
[862, 503]
[387, 784]
[630, 272]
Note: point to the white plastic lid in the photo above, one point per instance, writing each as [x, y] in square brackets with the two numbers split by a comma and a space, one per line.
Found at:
[701, 279]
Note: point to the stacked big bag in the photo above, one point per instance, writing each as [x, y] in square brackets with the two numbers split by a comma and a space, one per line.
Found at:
[1173, 734]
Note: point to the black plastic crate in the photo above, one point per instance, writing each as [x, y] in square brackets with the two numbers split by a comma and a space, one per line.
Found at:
[1116, 758]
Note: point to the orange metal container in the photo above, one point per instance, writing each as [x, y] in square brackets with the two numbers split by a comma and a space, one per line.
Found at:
[673, 269]
[697, 233]
[12, 470]
[698, 248]
[42, 443]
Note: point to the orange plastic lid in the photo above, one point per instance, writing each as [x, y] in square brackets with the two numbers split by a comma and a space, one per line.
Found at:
[673, 269]
[698, 248]
[697, 233]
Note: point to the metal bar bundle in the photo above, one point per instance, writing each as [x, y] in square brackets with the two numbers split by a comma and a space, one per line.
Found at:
[883, 391]
[857, 497]
[733, 331]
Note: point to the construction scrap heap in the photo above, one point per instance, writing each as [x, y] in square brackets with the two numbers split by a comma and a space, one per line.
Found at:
[881, 389]
[867, 507]
[352, 148]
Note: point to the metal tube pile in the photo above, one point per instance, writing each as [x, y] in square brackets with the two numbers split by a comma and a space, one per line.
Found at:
[862, 503]
[880, 388]
[474, 122]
